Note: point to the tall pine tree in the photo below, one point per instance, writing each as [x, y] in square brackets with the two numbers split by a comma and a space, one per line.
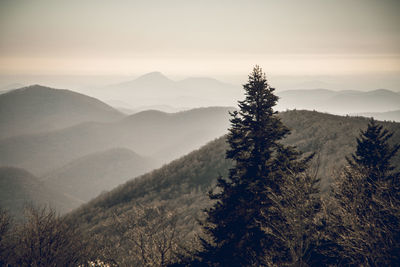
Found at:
[245, 225]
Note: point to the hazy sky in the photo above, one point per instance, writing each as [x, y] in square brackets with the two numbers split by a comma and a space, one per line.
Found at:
[319, 37]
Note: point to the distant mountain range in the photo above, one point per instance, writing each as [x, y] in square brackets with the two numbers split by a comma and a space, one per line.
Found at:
[340, 102]
[155, 89]
[36, 109]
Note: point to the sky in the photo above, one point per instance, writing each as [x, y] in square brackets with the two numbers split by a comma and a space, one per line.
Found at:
[199, 38]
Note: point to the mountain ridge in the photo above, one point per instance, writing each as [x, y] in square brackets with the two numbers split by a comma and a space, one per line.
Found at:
[36, 108]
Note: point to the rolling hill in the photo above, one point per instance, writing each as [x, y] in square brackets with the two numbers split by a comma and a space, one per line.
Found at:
[86, 177]
[36, 109]
[19, 188]
[154, 134]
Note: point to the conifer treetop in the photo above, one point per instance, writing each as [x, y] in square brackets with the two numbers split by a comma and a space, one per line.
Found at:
[243, 225]
[374, 153]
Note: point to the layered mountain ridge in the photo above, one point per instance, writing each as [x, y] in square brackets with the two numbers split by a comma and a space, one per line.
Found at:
[37, 109]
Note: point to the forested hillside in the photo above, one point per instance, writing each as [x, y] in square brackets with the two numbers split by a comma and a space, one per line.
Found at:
[183, 183]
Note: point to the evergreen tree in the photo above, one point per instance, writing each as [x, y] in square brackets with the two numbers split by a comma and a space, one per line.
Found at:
[366, 223]
[244, 227]
[373, 154]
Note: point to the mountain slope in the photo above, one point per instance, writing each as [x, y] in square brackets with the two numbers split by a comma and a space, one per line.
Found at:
[153, 134]
[184, 182]
[19, 188]
[88, 176]
[36, 108]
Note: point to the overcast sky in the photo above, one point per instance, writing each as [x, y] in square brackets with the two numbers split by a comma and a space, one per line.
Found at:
[320, 37]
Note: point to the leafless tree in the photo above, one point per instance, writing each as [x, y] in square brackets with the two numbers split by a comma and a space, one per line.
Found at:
[152, 235]
[44, 239]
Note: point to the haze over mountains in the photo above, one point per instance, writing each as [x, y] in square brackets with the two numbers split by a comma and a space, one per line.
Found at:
[341, 102]
[155, 89]
[389, 115]
[103, 148]
[69, 147]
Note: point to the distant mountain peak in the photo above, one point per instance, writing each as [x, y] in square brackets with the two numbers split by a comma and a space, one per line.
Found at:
[153, 76]
[148, 115]
[34, 87]
[382, 91]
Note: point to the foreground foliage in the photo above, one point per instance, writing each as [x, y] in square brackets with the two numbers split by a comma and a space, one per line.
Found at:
[43, 239]
[364, 219]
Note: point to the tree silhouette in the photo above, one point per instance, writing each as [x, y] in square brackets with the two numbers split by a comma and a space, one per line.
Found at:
[244, 227]
[374, 154]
